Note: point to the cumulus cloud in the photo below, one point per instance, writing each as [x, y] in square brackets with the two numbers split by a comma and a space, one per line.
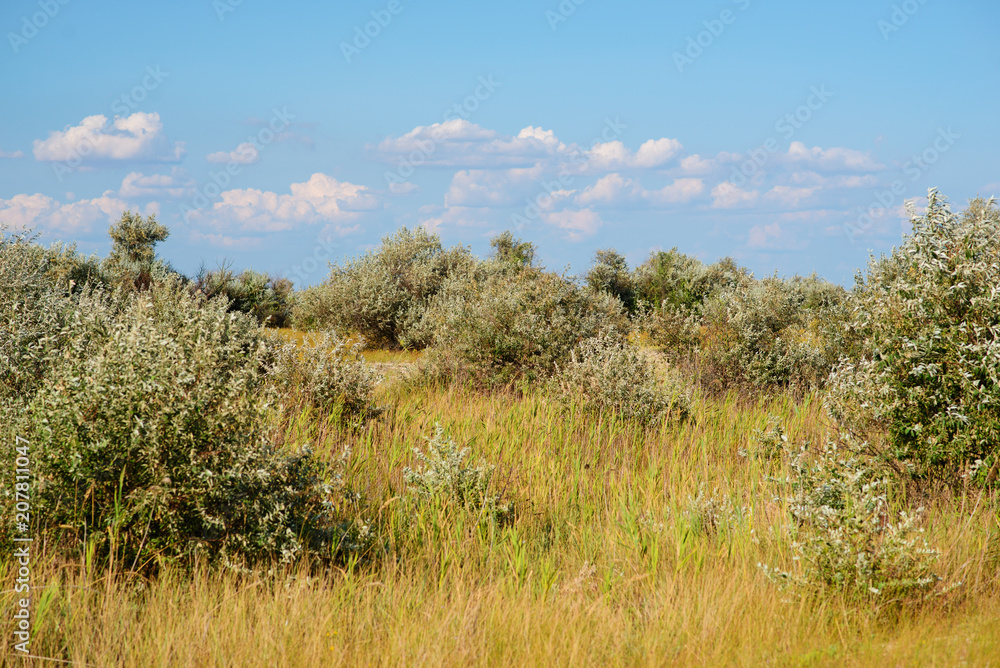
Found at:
[43, 213]
[11, 154]
[578, 223]
[320, 199]
[616, 190]
[175, 185]
[810, 178]
[613, 155]
[244, 154]
[460, 143]
[480, 187]
[138, 137]
[831, 159]
[729, 196]
[788, 196]
[773, 237]
[225, 241]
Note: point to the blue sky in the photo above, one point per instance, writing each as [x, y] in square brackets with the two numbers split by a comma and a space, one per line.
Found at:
[277, 136]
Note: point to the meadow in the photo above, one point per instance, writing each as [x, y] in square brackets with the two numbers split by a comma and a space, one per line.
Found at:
[495, 490]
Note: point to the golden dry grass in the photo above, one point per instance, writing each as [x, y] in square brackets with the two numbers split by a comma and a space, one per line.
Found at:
[598, 568]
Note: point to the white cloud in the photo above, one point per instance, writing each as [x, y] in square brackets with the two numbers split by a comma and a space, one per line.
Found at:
[171, 186]
[614, 189]
[728, 196]
[225, 241]
[460, 143]
[404, 188]
[579, 223]
[244, 154]
[11, 154]
[138, 137]
[772, 237]
[613, 155]
[831, 159]
[810, 178]
[320, 199]
[44, 213]
[789, 196]
[480, 187]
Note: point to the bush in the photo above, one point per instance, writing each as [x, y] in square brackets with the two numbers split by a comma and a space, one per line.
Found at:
[509, 250]
[44, 288]
[445, 478]
[266, 299]
[326, 373]
[132, 263]
[711, 514]
[926, 317]
[762, 335]
[675, 330]
[609, 274]
[502, 325]
[149, 437]
[848, 541]
[382, 294]
[607, 374]
[671, 279]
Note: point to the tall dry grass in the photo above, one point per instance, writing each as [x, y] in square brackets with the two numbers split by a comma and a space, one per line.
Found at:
[610, 560]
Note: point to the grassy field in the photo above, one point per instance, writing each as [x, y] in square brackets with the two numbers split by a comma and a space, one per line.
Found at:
[629, 547]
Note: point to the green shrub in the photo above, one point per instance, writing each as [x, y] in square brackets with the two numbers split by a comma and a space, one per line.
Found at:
[267, 299]
[445, 478]
[501, 325]
[675, 330]
[132, 263]
[711, 514]
[150, 439]
[37, 299]
[762, 335]
[847, 540]
[609, 274]
[673, 279]
[509, 250]
[381, 295]
[328, 374]
[926, 318]
[608, 374]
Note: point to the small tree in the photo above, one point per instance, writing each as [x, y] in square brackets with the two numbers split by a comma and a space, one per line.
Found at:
[610, 274]
[926, 320]
[509, 249]
[133, 252]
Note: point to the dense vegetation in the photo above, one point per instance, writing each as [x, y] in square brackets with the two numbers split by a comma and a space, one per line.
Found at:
[609, 468]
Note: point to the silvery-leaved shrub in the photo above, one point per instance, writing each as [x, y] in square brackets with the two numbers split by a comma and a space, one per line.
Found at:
[671, 279]
[609, 273]
[149, 437]
[926, 319]
[675, 330]
[267, 299]
[445, 477]
[606, 374]
[328, 374]
[40, 295]
[517, 324]
[847, 538]
[771, 333]
[380, 295]
[769, 443]
[132, 263]
[711, 513]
